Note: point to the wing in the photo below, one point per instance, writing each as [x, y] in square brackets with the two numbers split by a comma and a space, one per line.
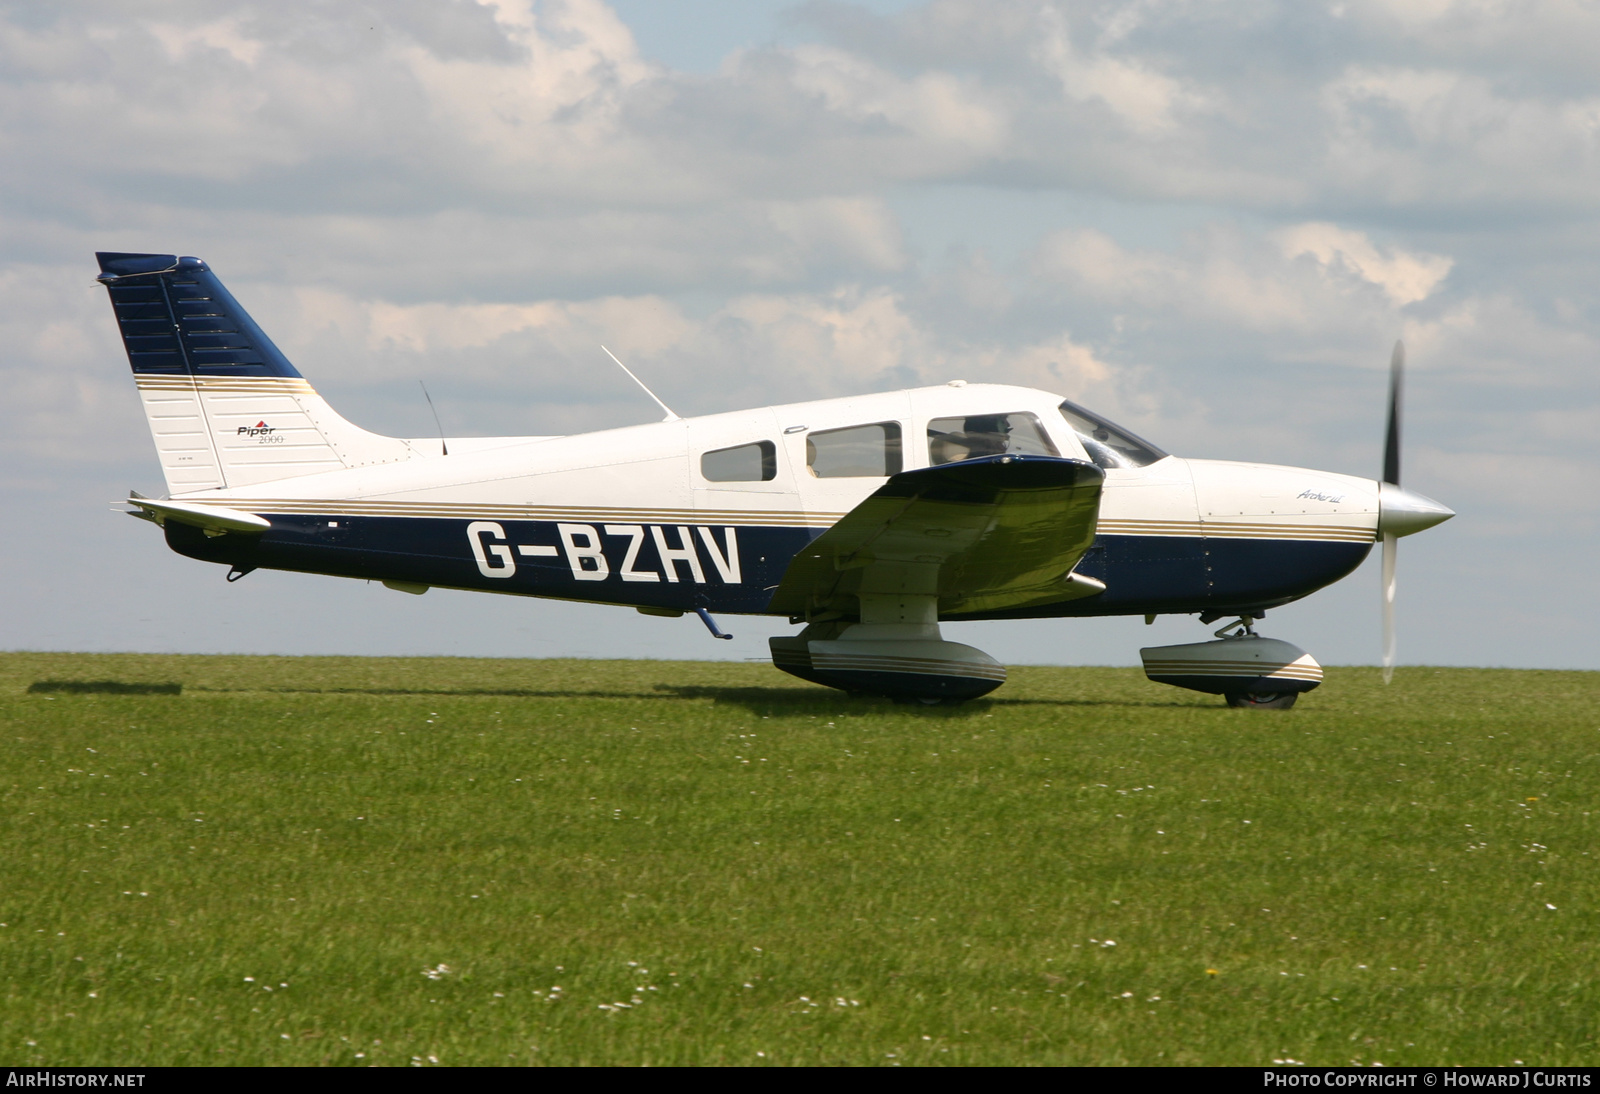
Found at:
[986, 534]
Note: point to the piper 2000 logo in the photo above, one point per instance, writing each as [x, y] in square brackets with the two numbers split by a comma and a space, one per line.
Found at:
[262, 432]
[586, 556]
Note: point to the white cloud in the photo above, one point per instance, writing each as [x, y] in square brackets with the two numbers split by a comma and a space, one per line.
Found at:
[227, 35]
[1223, 276]
[936, 107]
[1406, 277]
[1145, 100]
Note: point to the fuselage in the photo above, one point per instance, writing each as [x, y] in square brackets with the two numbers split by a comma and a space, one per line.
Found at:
[707, 512]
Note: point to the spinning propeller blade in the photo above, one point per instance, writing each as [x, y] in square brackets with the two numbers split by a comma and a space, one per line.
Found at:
[1390, 549]
[1391, 475]
[1391, 443]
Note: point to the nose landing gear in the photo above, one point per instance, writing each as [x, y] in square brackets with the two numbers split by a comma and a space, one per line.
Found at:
[1256, 700]
[1247, 670]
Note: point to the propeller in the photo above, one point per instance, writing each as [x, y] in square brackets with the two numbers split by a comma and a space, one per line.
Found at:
[1400, 512]
[1391, 475]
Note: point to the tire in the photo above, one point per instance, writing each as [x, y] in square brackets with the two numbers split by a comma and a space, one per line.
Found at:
[1257, 700]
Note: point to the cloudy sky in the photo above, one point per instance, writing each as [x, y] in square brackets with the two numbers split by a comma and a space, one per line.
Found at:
[1209, 220]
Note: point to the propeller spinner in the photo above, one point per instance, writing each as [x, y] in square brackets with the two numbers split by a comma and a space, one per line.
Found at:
[1400, 512]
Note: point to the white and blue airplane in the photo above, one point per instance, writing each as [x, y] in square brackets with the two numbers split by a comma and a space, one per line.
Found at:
[867, 519]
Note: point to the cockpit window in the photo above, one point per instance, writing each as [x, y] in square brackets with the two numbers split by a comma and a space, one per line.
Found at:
[954, 439]
[859, 451]
[1109, 445]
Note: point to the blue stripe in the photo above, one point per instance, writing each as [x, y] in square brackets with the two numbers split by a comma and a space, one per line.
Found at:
[430, 551]
[1143, 574]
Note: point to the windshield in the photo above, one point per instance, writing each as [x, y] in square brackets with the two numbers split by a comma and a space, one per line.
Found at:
[1109, 445]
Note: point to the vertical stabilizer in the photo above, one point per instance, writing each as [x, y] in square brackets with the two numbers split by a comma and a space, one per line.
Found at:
[225, 407]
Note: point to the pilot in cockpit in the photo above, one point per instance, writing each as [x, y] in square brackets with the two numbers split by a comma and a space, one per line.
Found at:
[979, 435]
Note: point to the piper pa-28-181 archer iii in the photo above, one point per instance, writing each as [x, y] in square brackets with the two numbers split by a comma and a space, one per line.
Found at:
[868, 519]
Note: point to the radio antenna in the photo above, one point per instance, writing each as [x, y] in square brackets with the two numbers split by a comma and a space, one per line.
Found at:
[671, 417]
[444, 448]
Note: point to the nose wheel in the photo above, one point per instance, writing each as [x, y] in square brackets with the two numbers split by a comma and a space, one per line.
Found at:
[1250, 672]
[1256, 700]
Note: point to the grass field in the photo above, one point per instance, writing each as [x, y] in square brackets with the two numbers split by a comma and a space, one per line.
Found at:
[250, 860]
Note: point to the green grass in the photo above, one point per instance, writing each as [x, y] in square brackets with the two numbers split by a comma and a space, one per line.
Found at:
[786, 870]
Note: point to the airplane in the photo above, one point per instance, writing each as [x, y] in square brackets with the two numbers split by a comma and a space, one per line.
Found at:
[866, 520]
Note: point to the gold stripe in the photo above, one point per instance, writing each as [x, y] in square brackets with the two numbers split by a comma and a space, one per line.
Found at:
[1236, 530]
[574, 514]
[922, 666]
[1193, 527]
[536, 512]
[1221, 663]
[1290, 531]
[787, 517]
[240, 384]
[1237, 675]
[1189, 668]
[1237, 670]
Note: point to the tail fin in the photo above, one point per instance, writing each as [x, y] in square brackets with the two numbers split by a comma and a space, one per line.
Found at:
[225, 407]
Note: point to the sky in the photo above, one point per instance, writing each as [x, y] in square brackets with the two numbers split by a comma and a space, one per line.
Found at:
[1209, 221]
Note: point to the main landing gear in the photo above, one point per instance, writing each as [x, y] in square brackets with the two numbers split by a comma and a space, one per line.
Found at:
[1249, 671]
[895, 651]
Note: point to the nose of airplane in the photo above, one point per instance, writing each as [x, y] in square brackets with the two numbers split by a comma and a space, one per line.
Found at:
[1401, 512]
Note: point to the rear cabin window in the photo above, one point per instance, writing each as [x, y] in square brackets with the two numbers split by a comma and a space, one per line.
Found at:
[756, 462]
[857, 452]
[1109, 445]
[953, 439]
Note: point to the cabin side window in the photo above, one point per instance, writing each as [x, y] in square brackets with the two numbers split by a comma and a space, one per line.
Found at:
[976, 435]
[856, 452]
[756, 462]
[1109, 445]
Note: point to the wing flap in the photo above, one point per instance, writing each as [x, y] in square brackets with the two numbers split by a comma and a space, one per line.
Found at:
[983, 535]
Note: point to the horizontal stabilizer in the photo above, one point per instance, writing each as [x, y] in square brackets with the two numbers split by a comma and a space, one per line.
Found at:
[214, 519]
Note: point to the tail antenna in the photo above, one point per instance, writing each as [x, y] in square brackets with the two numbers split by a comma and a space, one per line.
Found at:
[444, 449]
[671, 417]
